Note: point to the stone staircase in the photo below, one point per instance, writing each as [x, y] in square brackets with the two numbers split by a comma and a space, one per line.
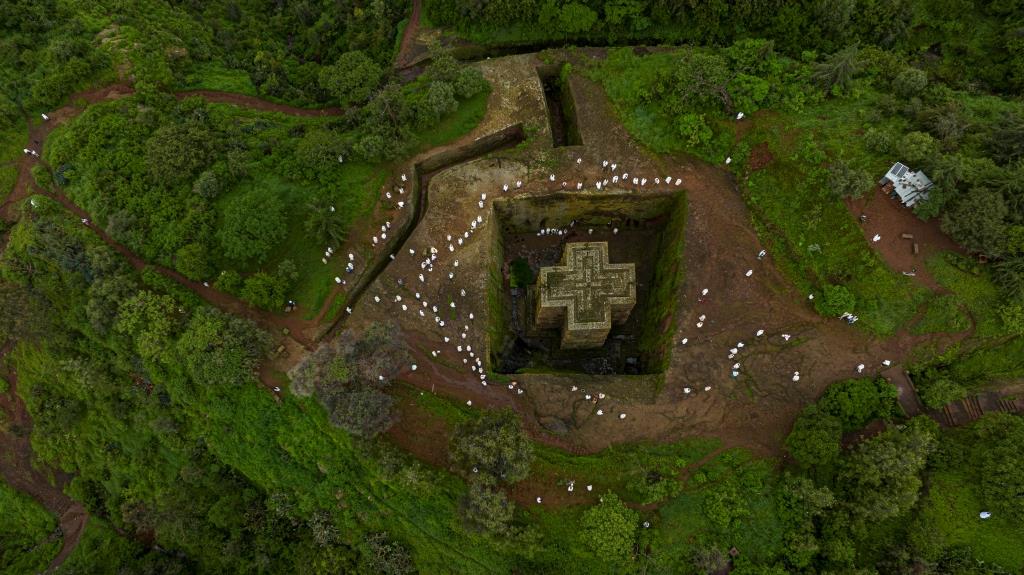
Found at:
[971, 408]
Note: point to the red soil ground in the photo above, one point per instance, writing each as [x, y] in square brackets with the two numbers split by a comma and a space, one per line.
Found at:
[889, 219]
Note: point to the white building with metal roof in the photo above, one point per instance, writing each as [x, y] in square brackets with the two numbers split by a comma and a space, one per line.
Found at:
[907, 185]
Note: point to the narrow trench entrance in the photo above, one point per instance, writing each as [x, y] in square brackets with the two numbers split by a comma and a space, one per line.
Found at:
[560, 105]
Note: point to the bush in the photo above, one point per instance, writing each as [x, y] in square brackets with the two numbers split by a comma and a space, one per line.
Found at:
[815, 437]
[835, 301]
[939, 392]
[694, 129]
[207, 185]
[856, 402]
[486, 509]
[910, 82]
[352, 78]
[609, 528]
[252, 225]
[469, 82]
[493, 445]
[387, 557]
[845, 181]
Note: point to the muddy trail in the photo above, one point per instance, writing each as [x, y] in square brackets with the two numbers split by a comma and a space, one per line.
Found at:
[20, 470]
[405, 56]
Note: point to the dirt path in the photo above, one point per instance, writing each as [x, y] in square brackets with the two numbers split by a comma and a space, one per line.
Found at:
[405, 56]
[19, 468]
[256, 103]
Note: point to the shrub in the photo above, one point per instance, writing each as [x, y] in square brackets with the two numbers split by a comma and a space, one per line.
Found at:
[609, 528]
[252, 225]
[352, 78]
[910, 82]
[939, 392]
[486, 509]
[494, 445]
[694, 129]
[835, 301]
[845, 181]
[387, 557]
[855, 402]
[815, 437]
[469, 82]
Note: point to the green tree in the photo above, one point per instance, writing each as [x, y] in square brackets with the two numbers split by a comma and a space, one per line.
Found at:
[208, 185]
[856, 402]
[191, 261]
[220, 349]
[1012, 315]
[609, 528]
[320, 152]
[152, 320]
[918, 149]
[326, 224]
[976, 221]
[253, 223]
[486, 509]
[910, 82]
[700, 82]
[800, 504]
[845, 181]
[175, 152]
[352, 79]
[837, 72]
[815, 438]
[881, 477]
[937, 393]
[495, 445]
[386, 556]
[576, 18]
[439, 102]
[694, 129]
[264, 291]
[1001, 463]
[469, 82]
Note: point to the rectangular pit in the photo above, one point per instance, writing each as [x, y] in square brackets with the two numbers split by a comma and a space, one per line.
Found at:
[650, 235]
[560, 105]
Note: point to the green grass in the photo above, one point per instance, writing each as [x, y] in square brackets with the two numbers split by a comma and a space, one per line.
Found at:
[950, 513]
[8, 177]
[215, 76]
[456, 124]
[975, 292]
[942, 315]
[684, 525]
[521, 274]
[12, 141]
[621, 469]
[810, 232]
[25, 532]
[815, 240]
